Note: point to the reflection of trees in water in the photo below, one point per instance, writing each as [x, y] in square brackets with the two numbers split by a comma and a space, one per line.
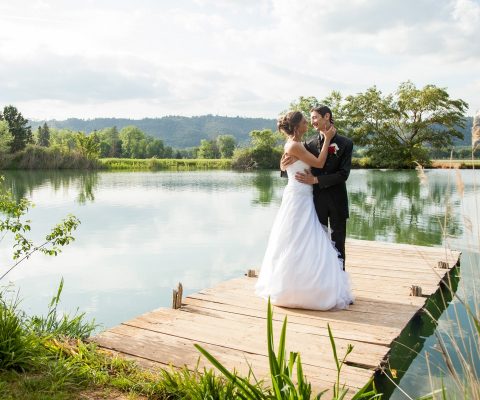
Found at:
[266, 182]
[23, 183]
[394, 206]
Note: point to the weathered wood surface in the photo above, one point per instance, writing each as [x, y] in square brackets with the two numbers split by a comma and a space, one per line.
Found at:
[230, 321]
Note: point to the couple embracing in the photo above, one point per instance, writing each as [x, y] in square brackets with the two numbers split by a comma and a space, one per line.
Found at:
[304, 264]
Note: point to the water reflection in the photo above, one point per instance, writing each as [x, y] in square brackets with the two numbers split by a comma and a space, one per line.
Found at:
[393, 206]
[23, 183]
[266, 182]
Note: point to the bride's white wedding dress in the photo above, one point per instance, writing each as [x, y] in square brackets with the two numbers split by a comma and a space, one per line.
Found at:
[301, 268]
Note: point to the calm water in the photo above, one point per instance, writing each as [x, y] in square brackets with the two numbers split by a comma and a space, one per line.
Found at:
[142, 233]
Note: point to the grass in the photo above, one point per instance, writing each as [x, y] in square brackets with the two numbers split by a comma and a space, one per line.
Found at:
[37, 157]
[154, 164]
[462, 164]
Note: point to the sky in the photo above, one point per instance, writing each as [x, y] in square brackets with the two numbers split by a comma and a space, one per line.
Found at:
[249, 58]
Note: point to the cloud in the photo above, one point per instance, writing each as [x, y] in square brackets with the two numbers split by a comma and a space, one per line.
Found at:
[47, 76]
[250, 58]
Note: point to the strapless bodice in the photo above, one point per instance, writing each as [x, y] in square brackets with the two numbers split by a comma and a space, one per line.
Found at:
[293, 184]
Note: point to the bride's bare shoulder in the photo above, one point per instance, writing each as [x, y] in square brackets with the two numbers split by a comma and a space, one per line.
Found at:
[291, 145]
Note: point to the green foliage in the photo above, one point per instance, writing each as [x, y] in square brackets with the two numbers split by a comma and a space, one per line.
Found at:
[6, 137]
[155, 164]
[63, 139]
[243, 159]
[110, 143]
[334, 100]
[88, 146]
[18, 127]
[174, 131]
[264, 152]
[43, 135]
[13, 222]
[16, 347]
[61, 325]
[37, 157]
[133, 142]
[396, 128]
[226, 145]
[208, 149]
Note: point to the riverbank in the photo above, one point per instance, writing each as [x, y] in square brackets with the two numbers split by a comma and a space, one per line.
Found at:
[56, 160]
[462, 164]
[226, 164]
[154, 164]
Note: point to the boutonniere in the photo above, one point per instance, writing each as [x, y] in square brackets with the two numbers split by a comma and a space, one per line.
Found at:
[333, 148]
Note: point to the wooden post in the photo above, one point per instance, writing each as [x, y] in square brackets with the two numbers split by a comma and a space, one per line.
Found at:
[177, 297]
[415, 291]
[443, 265]
[251, 273]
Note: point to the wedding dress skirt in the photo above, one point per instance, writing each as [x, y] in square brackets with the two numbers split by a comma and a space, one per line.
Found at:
[301, 268]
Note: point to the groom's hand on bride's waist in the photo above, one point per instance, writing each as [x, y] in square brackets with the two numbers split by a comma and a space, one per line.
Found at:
[306, 177]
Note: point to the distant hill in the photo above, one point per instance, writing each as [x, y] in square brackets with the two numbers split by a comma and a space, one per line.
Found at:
[467, 133]
[175, 131]
[181, 132]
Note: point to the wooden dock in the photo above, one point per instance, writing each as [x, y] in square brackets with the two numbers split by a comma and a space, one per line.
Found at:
[230, 321]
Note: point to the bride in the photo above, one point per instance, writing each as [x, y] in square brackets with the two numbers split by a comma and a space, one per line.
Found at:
[301, 268]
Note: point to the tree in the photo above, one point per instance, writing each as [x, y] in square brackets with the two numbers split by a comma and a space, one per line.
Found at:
[226, 145]
[88, 146]
[264, 152]
[131, 137]
[43, 138]
[110, 143]
[17, 125]
[65, 139]
[208, 149]
[155, 148]
[6, 137]
[334, 100]
[398, 129]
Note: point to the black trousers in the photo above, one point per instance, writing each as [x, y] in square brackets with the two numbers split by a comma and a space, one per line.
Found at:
[337, 221]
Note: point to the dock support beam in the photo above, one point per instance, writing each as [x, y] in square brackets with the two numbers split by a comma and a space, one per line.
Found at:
[177, 296]
[416, 291]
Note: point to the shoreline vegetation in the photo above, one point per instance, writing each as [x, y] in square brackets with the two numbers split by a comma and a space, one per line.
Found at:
[36, 158]
[402, 130]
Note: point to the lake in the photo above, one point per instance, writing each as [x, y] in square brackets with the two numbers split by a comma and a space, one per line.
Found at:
[143, 232]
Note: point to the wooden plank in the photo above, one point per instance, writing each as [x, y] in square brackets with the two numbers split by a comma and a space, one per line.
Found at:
[315, 348]
[230, 321]
[353, 332]
[170, 350]
[245, 287]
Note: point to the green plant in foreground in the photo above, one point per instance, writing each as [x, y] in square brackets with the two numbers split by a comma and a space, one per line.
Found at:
[282, 373]
[66, 325]
[13, 222]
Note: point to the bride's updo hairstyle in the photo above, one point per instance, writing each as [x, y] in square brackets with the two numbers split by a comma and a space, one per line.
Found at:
[288, 123]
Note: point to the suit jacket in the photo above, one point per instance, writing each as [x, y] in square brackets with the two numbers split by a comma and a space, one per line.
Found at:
[331, 190]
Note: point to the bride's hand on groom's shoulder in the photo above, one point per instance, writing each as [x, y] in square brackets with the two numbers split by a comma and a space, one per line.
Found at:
[287, 160]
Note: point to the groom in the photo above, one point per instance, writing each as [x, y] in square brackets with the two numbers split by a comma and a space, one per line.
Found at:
[329, 188]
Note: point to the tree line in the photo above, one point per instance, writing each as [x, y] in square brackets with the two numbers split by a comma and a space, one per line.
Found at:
[129, 142]
[390, 130]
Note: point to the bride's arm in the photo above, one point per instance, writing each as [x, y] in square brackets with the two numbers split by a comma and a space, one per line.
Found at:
[299, 151]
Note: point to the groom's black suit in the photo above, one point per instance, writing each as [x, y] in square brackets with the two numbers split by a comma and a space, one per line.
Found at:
[330, 194]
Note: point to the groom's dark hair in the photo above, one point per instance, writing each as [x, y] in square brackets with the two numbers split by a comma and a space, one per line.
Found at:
[322, 110]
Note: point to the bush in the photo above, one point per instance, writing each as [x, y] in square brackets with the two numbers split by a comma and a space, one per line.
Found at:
[256, 158]
[38, 157]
